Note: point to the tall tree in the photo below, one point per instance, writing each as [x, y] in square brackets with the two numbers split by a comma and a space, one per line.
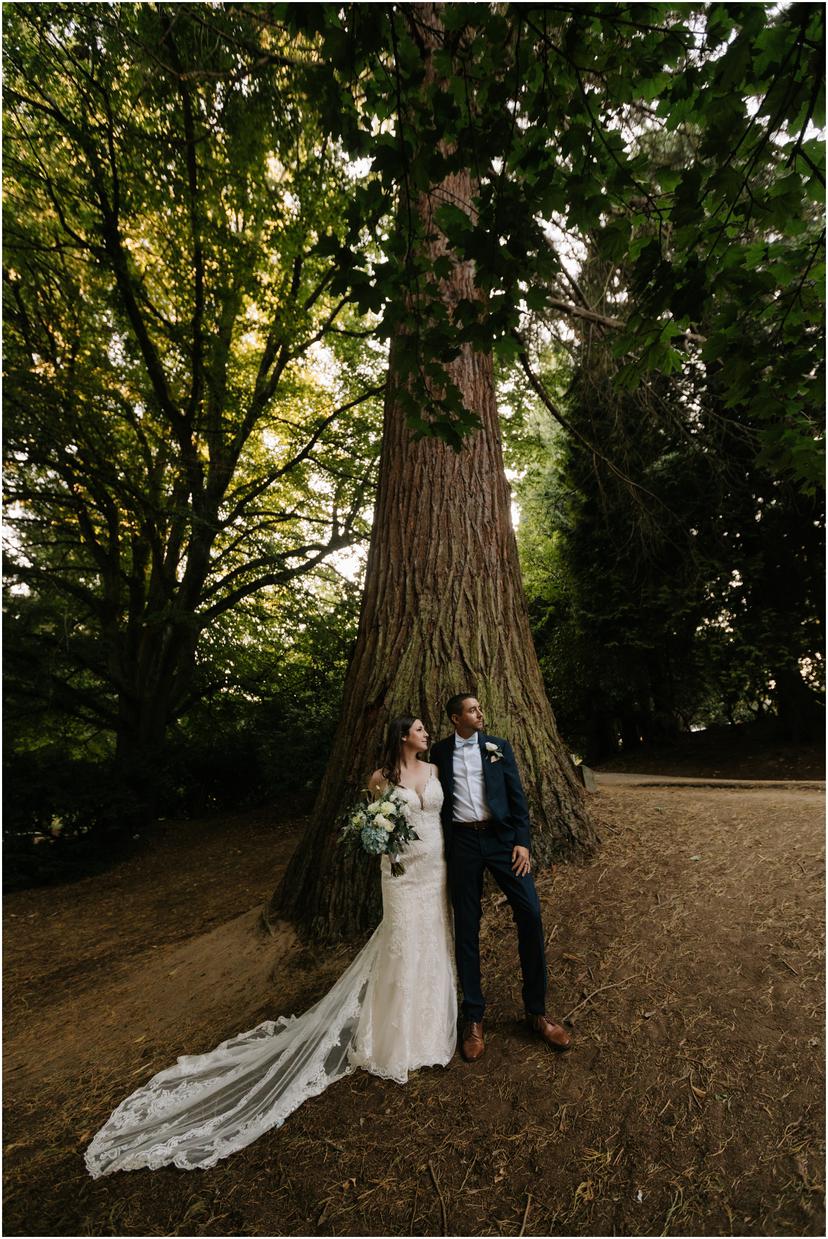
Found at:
[672, 587]
[444, 608]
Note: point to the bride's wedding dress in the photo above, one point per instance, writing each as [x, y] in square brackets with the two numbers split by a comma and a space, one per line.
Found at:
[394, 1009]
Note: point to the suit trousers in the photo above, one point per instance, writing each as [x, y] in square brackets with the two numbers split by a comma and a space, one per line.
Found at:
[471, 853]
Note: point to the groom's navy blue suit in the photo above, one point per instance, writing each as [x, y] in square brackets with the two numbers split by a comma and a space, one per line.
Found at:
[470, 852]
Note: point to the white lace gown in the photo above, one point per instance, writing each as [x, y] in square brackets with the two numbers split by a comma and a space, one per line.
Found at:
[393, 1010]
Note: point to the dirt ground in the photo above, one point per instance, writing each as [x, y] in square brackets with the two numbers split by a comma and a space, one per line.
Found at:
[686, 957]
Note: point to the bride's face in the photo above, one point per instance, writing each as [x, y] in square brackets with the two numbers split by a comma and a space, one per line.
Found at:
[417, 738]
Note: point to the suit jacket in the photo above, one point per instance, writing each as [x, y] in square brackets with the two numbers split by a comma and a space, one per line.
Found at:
[504, 791]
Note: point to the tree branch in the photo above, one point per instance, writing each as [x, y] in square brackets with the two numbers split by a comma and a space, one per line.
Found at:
[258, 487]
[276, 578]
[547, 402]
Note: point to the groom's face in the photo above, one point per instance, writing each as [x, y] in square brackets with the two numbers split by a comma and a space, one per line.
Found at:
[470, 717]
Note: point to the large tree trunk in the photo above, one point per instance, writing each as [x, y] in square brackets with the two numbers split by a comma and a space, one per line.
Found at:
[156, 669]
[800, 713]
[443, 611]
[140, 754]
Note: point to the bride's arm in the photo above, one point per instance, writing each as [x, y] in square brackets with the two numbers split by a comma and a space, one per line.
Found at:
[377, 784]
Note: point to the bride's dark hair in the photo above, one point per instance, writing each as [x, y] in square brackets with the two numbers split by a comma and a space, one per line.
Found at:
[398, 728]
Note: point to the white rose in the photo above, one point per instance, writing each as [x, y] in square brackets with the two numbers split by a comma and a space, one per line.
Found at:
[374, 808]
[491, 747]
[387, 806]
[379, 820]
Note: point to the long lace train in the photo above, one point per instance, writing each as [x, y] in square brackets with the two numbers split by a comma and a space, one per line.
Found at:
[208, 1105]
[393, 1010]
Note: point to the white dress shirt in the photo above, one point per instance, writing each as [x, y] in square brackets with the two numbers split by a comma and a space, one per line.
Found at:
[470, 803]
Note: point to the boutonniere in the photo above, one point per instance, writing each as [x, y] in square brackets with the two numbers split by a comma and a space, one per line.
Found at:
[495, 753]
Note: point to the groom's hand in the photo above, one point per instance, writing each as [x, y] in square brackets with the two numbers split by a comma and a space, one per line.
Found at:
[520, 861]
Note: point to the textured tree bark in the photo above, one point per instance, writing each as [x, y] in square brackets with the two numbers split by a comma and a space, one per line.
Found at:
[443, 611]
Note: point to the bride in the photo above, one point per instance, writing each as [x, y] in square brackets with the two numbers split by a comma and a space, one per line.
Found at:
[394, 1009]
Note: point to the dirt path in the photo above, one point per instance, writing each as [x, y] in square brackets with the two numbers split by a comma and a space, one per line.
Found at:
[618, 778]
[687, 956]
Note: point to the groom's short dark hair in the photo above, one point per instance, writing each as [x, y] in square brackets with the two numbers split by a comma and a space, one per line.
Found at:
[455, 703]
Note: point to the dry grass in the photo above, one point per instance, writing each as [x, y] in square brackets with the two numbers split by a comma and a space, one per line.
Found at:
[687, 957]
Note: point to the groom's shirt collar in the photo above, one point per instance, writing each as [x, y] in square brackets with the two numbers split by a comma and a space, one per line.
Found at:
[459, 741]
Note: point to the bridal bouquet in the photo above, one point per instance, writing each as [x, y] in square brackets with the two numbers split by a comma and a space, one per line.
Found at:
[381, 827]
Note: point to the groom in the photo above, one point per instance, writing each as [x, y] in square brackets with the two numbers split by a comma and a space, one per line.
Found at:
[486, 826]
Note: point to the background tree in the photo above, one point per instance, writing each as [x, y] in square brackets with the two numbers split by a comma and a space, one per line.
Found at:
[648, 581]
[666, 489]
[171, 449]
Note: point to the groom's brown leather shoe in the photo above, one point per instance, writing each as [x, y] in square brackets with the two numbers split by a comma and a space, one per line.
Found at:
[555, 1035]
[473, 1044]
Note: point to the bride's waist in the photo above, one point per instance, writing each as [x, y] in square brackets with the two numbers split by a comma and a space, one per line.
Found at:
[423, 816]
